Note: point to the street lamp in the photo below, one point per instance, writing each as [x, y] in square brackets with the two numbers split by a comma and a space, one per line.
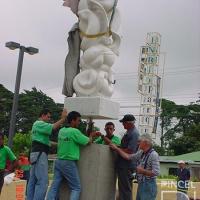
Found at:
[22, 49]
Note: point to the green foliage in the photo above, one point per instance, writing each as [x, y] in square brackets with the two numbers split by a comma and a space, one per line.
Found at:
[83, 127]
[21, 143]
[180, 127]
[6, 97]
[167, 177]
[194, 179]
[180, 124]
[30, 104]
[160, 150]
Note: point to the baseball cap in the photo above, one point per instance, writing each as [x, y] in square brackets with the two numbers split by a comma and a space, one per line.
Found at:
[127, 118]
[181, 162]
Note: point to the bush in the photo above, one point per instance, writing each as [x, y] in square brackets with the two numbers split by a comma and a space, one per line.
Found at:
[195, 179]
[167, 177]
[21, 143]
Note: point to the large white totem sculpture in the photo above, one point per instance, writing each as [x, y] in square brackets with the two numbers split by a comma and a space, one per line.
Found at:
[98, 25]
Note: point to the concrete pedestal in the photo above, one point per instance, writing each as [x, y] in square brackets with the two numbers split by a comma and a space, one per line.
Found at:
[97, 174]
[93, 107]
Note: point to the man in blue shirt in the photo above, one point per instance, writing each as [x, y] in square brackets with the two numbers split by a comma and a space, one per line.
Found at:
[183, 179]
[125, 168]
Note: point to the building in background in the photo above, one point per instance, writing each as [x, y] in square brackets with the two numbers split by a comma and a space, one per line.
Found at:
[169, 164]
[149, 84]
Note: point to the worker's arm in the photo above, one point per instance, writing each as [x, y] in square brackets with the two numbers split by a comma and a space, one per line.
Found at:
[12, 158]
[14, 164]
[93, 135]
[106, 140]
[127, 150]
[120, 151]
[57, 124]
[125, 155]
[141, 170]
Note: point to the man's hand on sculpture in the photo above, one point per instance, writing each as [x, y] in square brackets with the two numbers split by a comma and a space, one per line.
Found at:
[64, 114]
[113, 146]
[95, 134]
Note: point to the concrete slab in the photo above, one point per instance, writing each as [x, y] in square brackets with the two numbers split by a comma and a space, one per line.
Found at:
[93, 107]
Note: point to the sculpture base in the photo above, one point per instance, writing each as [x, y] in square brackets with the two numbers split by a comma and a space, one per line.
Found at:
[93, 107]
[97, 174]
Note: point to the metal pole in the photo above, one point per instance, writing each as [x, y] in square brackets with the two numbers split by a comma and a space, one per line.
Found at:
[16, 97]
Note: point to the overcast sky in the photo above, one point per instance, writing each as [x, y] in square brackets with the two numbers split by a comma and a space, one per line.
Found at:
[45, 25]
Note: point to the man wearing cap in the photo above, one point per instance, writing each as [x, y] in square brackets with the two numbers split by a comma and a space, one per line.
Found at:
[125, 168]
[183, 179]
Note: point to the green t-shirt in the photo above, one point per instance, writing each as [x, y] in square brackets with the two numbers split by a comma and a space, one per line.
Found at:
[6, 154]
[25, 167]
[114, 139]
[69, 141]
[41, 131]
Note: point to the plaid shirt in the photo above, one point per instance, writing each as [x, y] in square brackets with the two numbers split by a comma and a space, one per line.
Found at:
[149, 161]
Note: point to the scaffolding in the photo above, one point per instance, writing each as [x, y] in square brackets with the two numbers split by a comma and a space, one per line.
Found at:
[149, 84]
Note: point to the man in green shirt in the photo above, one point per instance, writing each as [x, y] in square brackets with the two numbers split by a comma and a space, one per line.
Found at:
[110, 137]
[41, 131]
[69, 141]
[5, 154]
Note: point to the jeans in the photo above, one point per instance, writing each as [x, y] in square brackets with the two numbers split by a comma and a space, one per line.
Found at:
[65, 169]
[181, 196]
[38, 181]
[124, 183]
[147, 190]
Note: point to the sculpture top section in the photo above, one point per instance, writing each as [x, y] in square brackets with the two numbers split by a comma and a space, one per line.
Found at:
[73, 4]
[99, 21]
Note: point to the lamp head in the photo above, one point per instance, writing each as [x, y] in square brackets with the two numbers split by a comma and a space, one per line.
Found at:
[12, 45]
[32, 50]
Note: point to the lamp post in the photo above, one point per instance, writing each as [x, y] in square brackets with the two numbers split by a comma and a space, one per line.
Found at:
[22, 49]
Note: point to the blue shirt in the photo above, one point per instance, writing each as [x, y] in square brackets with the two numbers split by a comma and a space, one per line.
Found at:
[129, 141]
[183, 174]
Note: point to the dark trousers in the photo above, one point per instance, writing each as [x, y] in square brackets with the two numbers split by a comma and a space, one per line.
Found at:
[124, 184]
[1, 179]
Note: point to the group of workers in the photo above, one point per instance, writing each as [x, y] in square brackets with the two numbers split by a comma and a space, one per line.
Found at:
[135, 156]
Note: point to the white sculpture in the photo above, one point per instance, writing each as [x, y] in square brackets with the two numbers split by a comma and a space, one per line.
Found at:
[99, 21]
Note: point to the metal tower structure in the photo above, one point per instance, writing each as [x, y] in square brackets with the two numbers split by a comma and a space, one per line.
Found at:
[149, 84]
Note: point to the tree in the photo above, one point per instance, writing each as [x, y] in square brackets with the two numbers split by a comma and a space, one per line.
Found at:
[21, 143]
[168, 111]
[30, 104]
[183, 135]
[6, 98]
[180, 127]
